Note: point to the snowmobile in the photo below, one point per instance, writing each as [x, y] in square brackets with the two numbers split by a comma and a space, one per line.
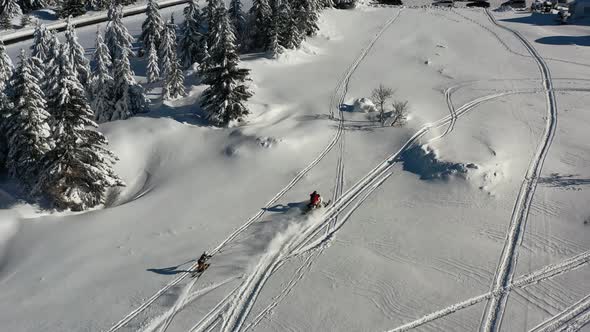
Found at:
[202, 265]
[315, 202]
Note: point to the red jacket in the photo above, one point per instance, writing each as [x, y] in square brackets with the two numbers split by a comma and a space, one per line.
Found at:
[314, 198]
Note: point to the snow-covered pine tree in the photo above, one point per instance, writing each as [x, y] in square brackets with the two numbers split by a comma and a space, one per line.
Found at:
[174, 84]
[29, 5]
[77, 171]
[190, 38]
[237, 19]
[210, 12]
[101, 86]
[10, 10]
[224, 99]
[71, 8]
[204, 57]
[51, 69]
[153, 71]
[274, 47]
[152, 26]
[129, 97]
[41, 40]
[6, 67]
[261, 21]
[27, 128]
[6, 107]
[165, 48]
[77, 58]
[117, 37]
[307, 16]
[289, 35]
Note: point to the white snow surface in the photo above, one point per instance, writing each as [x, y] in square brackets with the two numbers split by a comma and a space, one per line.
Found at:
[420, 215]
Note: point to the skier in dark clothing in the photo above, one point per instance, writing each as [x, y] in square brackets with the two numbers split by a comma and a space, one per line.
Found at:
[202, 264]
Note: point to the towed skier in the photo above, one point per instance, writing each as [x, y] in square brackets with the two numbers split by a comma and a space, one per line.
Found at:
[202, 264]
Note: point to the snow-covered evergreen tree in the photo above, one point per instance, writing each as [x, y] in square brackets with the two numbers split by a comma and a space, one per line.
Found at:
[41, 40]
[29, 5]
[211, 14]
[191, 35]
[224, 99]
[307, 16]
[10, 10]
[77, 171]
[237, 19]
[129, 96]
[77, 58]
[152, 26]
[274, 47]
[117, 36]
[261, 20]
[51, 69]
[153, 71]
[101, 86]
[71, 8]
[6, 107]
[204, 56]
[27, 128]
[168, 38]
[289, 35]
[174, 83]
[6, 67]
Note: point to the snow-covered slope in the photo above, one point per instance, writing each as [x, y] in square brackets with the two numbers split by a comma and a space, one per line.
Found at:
[420, 214]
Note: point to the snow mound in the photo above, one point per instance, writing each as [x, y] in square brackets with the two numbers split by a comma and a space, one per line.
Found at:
[424, 161]
[243, 142]
[363, 105]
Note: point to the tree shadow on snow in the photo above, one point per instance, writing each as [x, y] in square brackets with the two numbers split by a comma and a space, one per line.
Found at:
[544, 19]
[44, 14]
[565, 40]
[188, 114]
[172, 269]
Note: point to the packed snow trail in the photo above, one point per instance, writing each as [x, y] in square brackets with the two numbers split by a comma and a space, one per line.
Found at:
[537, 276]
[563, 318]
[492, 317]
[183, 300]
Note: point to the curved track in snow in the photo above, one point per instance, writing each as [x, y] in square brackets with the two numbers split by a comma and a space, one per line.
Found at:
[492, 317]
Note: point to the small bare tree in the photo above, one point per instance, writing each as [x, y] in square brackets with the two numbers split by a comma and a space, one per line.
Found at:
[400, 113]
[380, 96]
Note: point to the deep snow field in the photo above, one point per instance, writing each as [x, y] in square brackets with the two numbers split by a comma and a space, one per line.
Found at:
[485, 189]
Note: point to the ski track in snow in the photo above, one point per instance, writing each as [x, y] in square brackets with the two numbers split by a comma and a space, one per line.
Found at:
[537, 276]
[492, 317]
[163, 320]
[565, 319]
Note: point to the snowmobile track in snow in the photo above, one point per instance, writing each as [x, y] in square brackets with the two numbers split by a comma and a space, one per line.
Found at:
[563, 319]
[492, 317]
[537, 276]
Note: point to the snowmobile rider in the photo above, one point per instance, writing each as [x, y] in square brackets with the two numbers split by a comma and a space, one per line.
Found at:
[314, 200]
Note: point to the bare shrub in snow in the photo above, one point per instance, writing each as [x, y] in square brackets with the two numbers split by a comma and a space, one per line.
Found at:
[399, 114]
[380, 96]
